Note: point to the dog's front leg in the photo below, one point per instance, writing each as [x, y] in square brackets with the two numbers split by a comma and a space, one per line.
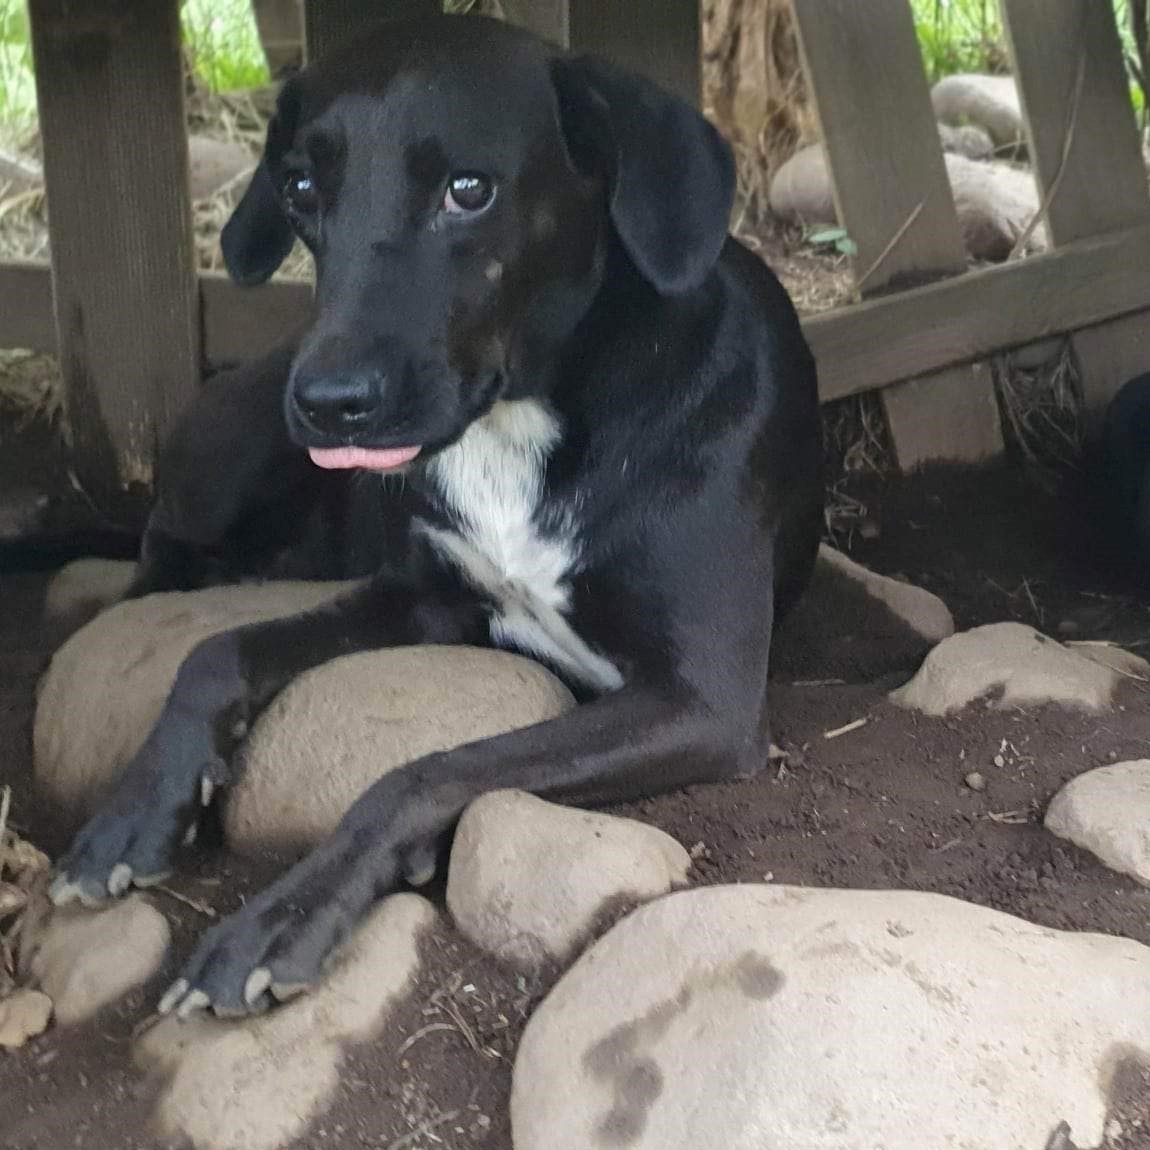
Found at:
[220, 689]
[634, 742]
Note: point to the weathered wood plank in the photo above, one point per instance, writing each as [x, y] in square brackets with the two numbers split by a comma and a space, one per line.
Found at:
[328, 22]
[658, 38]
[893, 196]
[1088, 158]
[891, 189]
[111, 97]
[870, 345]
[1080, 122]
[546, 18]
[241, 323]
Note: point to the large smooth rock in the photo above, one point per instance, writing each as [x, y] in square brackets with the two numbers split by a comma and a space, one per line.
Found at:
[213, 164]
[773, 1018]
[996, 204]
[855, 624]
[1017, 661]
[991, 102]
[339, 727]
[257, 1084]
[528, 879]
[80, 590]
[1107, 812]
[801, 190]
[85, 960]
[107, 684]
[968, 140]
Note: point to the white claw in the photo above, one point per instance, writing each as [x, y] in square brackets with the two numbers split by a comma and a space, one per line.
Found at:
[258, 981]
[119, 879]
[282, 991]
[173, 995]
[61, 891]
[207, 789]
[196, 1000]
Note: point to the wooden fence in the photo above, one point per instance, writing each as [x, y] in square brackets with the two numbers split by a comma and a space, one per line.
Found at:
[132, 321]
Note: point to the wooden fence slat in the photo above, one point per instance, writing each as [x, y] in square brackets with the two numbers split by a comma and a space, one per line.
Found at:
[893, 196]
[546, 18]
[660, 39]
[1084, 287]
[1086, 152]
[328, 22]
[1080, 121]
[110, 85]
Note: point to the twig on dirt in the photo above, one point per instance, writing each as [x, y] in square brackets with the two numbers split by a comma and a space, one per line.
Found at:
[424, 1128]
[1056, 183]
[195, 904]
[904, 227]
[846, 730]
[1009, 818]
[456, 1015]
[409, 1042]
[145, 1023]
[950, 844]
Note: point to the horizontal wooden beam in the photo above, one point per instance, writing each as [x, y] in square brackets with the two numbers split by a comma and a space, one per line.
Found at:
[972, 316]
[858, 348]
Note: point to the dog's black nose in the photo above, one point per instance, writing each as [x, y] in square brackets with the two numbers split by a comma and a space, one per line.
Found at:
[339, 404]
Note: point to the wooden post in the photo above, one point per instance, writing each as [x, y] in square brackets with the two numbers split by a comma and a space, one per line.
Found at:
[327, 22]
[109, 80]
[546, 18]
[280, 24]
[893, 197]
[658, 38]
[1088, 158]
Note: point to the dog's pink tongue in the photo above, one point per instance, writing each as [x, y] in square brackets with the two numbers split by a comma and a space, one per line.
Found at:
[345, 458]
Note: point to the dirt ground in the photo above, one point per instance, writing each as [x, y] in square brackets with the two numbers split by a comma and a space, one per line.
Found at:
[882, 806]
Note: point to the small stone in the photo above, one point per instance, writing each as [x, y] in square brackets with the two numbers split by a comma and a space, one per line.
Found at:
[1107, 811]
[85, 959]
[23, 1015]
[528, 879]
[991, 102]
[999, 761]
[976, 781]
[1011, 658]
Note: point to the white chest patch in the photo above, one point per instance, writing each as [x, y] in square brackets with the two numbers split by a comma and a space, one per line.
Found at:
[492, 481]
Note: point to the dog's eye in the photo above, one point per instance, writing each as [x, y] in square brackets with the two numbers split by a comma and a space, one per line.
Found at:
[301, 194]
[467, 193]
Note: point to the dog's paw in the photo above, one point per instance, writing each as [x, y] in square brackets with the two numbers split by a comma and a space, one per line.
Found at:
[281, 942]
[130, 843]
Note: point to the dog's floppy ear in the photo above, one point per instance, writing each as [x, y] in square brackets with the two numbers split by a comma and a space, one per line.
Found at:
[258, 235]
[672, 175]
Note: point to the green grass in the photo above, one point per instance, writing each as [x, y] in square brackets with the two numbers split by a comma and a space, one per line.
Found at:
[956, 36]
[220, 34]
[225, 48]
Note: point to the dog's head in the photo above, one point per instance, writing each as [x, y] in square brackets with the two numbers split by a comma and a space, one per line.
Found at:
[460, 185]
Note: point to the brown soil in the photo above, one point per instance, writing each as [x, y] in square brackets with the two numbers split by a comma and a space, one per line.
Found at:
[882, 806]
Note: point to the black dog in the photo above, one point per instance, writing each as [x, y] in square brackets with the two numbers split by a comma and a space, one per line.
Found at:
[606, 420]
